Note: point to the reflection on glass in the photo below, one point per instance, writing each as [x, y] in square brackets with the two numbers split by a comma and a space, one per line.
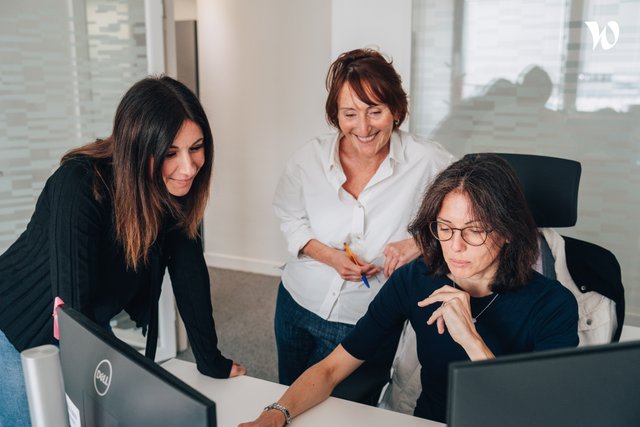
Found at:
[525, 77]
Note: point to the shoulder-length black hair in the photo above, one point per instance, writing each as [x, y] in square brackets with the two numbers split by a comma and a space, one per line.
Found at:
[498, 202]
[372, 78]
[146, 123]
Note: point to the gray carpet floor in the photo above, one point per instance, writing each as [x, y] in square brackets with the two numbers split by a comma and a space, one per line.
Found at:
[243, 308]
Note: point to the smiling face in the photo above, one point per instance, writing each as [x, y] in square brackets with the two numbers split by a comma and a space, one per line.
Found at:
[366, 128]
[472, 264]
[184, 159]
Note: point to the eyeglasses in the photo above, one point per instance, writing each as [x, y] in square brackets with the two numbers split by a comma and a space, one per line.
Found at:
[473, 235]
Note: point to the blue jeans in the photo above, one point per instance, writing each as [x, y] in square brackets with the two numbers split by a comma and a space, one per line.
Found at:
[303, 339]
[14, 407]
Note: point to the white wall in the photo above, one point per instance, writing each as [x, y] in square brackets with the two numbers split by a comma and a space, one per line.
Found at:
[262, 74]
[262, 67]
[184, 10]
[630, 333]
[381, 24]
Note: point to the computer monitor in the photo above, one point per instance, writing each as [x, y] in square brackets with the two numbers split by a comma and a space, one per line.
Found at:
[109, 384]
[586, 386]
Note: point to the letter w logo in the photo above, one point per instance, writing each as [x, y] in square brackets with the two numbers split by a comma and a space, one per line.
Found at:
[601, 36]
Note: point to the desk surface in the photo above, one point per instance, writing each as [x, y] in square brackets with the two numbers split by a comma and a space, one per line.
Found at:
[242, 398]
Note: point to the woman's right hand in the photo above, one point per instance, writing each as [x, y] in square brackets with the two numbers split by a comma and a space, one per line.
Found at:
[340, 261]
[348, 270]
[271, 418]
[312, 387]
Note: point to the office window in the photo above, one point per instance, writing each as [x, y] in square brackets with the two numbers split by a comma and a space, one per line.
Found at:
[526, 77]
[64, 67]
[610, 79]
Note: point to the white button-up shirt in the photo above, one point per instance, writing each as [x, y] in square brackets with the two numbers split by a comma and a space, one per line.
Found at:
[311, 204]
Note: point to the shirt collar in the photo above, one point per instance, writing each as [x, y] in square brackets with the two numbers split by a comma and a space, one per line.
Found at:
[396, 148]
[333, 160]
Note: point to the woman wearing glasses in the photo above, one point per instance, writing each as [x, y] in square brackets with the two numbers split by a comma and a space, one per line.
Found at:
[471, 296]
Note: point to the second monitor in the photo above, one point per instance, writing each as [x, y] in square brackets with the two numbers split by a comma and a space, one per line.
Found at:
[586, 386]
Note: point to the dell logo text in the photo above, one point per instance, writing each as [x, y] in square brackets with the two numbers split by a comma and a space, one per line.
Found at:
[102, 377]
[600, 37]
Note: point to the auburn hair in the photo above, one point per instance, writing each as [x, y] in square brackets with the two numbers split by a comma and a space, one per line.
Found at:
[372, 78]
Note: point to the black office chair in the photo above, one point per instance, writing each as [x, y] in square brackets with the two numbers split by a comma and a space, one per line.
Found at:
[551, 186]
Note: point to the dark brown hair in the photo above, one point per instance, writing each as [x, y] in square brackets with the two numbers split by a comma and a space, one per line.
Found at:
[128, 164]
[498, 202]
[372, 78]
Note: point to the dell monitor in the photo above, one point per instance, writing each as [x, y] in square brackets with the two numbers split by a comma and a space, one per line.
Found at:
[110, 384]
[586, 386]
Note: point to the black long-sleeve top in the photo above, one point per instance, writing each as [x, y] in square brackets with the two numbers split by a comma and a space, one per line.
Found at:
[69, 250]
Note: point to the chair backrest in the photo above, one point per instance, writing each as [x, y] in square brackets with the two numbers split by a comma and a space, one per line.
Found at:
[550, 185]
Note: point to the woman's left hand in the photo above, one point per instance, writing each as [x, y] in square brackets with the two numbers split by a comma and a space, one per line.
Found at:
[454, 316]
[454, 313]
[398, 254]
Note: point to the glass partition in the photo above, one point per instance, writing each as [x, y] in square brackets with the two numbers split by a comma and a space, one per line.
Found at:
[64, 65]
[532, 77]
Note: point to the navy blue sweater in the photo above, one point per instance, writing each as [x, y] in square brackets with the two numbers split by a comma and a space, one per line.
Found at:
[539, 316]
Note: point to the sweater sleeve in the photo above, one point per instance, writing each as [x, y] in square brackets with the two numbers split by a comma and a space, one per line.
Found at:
[191, 287]
[386, 315]
[555, 324]
[75, 228]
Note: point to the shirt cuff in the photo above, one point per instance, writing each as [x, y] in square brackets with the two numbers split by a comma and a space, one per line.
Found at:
[297, 240]
[221, 367]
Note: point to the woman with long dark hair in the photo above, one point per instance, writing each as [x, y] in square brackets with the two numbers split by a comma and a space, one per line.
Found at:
[109, 221]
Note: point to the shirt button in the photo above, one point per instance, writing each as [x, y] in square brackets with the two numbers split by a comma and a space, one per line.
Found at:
[589, 321]
[583, 288]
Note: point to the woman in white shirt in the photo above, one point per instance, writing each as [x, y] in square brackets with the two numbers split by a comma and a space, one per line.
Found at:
[359, 186]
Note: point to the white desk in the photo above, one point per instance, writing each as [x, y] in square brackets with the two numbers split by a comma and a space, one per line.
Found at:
[242, 398]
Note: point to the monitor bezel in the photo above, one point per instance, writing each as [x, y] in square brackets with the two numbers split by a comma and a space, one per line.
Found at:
[136, 358]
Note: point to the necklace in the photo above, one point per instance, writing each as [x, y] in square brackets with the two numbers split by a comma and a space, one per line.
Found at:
[485, 308]
[475, 318]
